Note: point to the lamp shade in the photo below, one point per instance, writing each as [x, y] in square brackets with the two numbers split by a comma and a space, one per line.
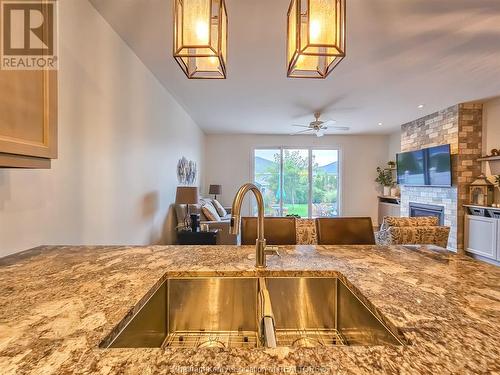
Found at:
[215, 189]
[186, 195]
[200, 38]
[316, 37]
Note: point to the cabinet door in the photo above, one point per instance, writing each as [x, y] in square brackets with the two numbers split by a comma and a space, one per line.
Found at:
[498, 240]
[481, 236]
[28, 107]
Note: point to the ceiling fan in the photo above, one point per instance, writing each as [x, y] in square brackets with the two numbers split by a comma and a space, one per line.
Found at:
[319, 127]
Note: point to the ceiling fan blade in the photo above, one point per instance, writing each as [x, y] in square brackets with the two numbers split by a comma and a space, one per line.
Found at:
[301, 126]
[335, 105]
[319, 134]
[341, 128]
[329, 123]
[302, 131]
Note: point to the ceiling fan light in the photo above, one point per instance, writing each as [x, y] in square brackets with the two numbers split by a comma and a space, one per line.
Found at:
[315, 37]
[200, 38]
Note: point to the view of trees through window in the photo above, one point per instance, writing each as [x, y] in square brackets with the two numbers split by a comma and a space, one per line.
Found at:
[303, 182]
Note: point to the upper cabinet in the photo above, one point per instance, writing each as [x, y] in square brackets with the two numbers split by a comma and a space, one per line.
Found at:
[28, 118]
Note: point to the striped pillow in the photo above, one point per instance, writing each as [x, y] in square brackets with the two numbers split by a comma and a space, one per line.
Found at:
[220, 210]
[210, 212]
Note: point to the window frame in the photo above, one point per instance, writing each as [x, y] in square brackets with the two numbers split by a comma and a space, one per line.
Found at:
[310, 150]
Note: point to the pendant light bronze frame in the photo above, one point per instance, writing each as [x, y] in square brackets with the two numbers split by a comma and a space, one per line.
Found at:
[329, 55]
[187, 56]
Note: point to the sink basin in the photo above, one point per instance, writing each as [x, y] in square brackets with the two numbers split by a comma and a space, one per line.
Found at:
[228, 312]
[310, 312]
[196, 312]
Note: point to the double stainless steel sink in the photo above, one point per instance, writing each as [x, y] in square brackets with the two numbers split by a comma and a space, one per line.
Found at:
[250, 312]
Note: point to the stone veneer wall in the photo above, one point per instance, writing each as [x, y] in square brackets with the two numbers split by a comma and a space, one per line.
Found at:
[470, 139]
[461, 127]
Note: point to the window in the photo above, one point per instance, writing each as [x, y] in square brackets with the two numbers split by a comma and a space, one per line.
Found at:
[298, 181]
[267, 177]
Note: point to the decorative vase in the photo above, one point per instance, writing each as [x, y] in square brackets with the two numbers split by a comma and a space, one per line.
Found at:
[387, 191]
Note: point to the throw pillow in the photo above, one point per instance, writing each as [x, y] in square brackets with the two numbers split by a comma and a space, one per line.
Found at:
[220, 210]
[210, 212]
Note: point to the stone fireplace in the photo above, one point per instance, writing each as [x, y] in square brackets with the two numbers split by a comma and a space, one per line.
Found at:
[461, 127]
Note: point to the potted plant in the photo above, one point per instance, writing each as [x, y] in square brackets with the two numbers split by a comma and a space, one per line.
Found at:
[384, 178]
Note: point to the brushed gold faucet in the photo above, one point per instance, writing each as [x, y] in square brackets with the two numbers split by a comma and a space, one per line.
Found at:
[260, 244]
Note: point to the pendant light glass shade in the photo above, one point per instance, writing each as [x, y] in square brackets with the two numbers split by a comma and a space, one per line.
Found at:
[316, 37]
[200, 38]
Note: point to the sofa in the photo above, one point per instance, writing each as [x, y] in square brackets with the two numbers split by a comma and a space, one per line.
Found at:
[412, 231]
[224, 237]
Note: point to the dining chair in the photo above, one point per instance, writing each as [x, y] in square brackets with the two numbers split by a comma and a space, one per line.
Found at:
[345, 231]
[277, 230]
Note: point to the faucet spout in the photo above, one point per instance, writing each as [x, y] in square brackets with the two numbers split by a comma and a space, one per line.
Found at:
[260, 243]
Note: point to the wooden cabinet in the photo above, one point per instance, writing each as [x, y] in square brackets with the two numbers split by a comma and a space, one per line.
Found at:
[28, 118]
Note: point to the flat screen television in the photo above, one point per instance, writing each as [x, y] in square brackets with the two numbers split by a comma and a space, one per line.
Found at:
[426, 167]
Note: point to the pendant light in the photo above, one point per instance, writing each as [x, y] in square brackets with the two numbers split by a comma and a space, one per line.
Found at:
[315, 37]
[200, 38]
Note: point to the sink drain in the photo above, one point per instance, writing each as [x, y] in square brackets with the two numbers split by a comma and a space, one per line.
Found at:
[211, 339]
[211, 344]
[307, 342]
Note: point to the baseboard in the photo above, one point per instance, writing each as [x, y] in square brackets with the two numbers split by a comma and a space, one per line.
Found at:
[483, 259]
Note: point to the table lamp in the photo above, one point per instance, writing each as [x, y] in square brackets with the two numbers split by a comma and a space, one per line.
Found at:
[215, 190]
[186, 195]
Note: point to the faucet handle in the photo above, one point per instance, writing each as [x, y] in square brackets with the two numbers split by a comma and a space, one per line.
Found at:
[235, 224]
[272, 250]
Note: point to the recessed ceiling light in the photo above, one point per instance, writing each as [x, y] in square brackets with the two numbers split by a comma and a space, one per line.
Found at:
[420, 106]
[380, 124]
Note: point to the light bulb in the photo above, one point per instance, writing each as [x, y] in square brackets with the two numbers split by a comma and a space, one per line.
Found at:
[314, 30]
[202, 32]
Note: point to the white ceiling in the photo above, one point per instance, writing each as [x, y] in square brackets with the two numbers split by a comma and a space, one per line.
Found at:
[400, 53]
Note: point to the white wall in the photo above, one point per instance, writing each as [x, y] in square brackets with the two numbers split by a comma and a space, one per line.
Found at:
[491, 133]
[394, 145]
[120, 136]
[228, 162]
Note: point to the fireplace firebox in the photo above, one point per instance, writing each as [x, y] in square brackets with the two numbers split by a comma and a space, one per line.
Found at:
[419, 210]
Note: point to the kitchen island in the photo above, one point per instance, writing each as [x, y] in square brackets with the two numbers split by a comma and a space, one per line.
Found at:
[57, 304]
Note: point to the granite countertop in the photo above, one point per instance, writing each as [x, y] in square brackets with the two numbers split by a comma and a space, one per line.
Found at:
[59, 303]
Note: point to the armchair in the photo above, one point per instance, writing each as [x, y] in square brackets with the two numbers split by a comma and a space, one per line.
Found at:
[412, 231]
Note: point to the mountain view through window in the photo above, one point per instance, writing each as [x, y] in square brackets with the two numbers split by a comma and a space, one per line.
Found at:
[303, 182]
